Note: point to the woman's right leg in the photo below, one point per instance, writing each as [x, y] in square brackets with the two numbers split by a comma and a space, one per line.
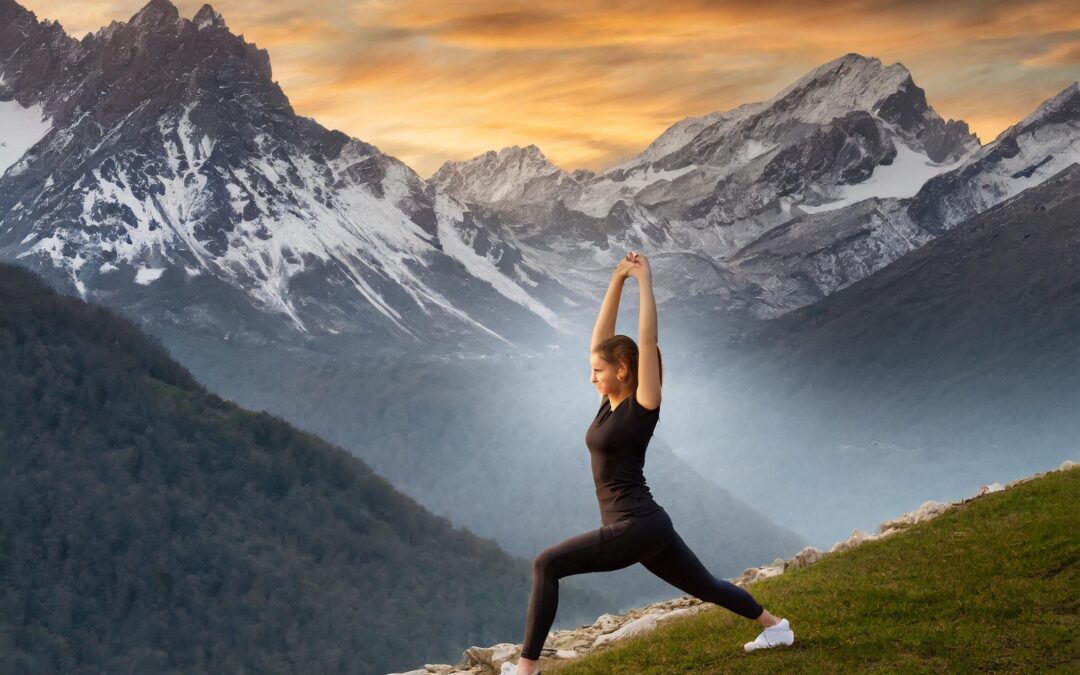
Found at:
[611, 547]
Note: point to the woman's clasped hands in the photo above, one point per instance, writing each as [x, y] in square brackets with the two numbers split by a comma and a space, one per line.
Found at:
[634, 265]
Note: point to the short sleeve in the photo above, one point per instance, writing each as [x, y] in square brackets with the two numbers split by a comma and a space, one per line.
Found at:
[642, 411]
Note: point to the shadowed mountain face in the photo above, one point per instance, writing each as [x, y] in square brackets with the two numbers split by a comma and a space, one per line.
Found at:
[955, 366]
[147, 525]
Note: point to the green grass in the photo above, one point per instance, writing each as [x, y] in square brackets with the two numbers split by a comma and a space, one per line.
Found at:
[988, 586]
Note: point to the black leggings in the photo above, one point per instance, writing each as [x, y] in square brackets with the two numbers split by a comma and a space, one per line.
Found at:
[650, 540]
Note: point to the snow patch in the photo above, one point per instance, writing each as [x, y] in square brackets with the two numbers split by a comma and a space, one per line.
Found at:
[237, 198]
[107, 267]
[52, 246]
[20, 129]
[903, 178]
[753, 149]
[479, 266]
[148, 275]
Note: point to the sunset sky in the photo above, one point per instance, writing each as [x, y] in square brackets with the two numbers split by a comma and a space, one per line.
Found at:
[592, 82]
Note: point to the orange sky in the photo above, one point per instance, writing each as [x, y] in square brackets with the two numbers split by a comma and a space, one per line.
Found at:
[591, 82]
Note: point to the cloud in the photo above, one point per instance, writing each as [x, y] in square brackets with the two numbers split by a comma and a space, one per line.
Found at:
[593, 81]
[1062, 55]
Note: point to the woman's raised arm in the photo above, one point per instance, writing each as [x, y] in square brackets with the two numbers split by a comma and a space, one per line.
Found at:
[648, 388]
[609, 310]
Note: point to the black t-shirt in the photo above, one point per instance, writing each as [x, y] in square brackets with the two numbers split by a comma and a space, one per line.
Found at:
[617, 440]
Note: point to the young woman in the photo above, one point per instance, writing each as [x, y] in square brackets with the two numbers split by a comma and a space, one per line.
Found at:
[635, 528]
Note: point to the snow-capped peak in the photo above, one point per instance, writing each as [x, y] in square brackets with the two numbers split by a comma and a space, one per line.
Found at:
[1069, 97]
[833, 89]
[683, 132]
[1032, 150]
[495, 176]
[851, 82]
[528, 159]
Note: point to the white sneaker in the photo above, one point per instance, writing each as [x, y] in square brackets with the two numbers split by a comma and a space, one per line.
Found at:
[773, 636]
[511, 669]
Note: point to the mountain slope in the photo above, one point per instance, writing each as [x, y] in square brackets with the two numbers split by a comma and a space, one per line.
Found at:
[972, 338]
[150, 526]
[986, 586]
[919, 379]
[997, 297]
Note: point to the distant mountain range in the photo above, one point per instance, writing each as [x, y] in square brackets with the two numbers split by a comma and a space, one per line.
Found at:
[163, 170]
[773, 205]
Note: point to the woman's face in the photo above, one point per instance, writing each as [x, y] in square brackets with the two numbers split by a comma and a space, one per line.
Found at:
[605, 376]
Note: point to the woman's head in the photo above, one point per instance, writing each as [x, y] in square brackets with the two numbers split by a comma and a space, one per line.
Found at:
[614, 365]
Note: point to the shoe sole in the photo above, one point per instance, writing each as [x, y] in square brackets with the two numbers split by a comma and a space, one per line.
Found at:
[779, 644]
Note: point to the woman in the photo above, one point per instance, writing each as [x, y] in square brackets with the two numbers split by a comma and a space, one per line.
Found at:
[635, 528]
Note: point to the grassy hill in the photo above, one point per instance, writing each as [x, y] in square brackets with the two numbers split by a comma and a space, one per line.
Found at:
[990, 585]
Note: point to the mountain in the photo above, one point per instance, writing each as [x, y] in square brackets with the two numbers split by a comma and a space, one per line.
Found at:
[1022, 156]
[168, 175]
[149, 525]
[510, 173]
[958, 360]
[814, 255]
[711, 185]
[173, 177]
[774, 205]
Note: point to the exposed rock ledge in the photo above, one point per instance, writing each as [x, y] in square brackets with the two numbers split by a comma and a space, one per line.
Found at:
[608, 628]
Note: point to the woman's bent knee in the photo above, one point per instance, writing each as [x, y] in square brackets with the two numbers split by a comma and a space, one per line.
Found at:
[543, 561]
